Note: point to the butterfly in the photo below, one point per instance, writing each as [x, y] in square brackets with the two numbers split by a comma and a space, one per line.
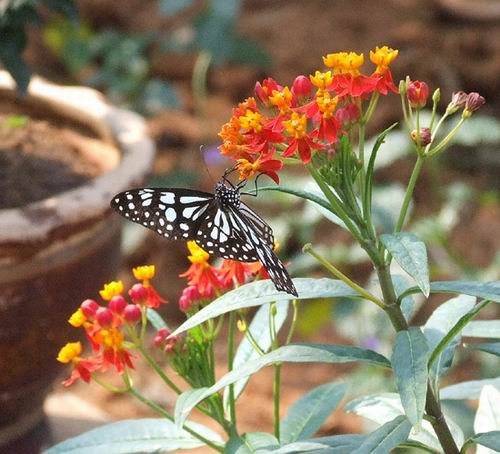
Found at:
[220, 223]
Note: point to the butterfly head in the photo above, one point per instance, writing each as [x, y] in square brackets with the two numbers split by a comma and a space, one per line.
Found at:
[226, 195]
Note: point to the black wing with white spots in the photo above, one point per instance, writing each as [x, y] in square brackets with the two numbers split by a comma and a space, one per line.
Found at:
[173, 213]
[220, 223]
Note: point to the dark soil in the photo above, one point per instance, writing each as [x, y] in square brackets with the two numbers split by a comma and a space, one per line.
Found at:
[38, 160]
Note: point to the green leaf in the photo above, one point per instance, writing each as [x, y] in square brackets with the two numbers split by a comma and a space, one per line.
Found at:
[493, 347]
[455, 330]
[262, 292]
[489, 439]
[294, 353]
[307, 414]
[485, 290]
[488, 415]
[156, 319]
[316, 196]
[409, 362]
[387, 437]
[411, 255]
[133, 436]
[442, 322]
[334, 444]
[367, 199]
[483, 328]
[468, 389]
[382, 408]
[186, 399]
[407, 304]
[252, 443]
[259, 329]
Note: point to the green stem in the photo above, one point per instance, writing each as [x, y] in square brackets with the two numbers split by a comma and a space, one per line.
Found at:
[361, 155]
[295, 305]
[432, 406]
[167, 415]
[152, 362]
[337, 273]
[277, 393]
[447, 139]
[230, 359]
[409, 193]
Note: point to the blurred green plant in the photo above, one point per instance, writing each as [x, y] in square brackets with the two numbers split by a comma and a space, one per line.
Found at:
[15, 17]
[119, 63]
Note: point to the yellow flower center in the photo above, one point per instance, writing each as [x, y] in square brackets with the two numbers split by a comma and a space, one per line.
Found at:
[326, 104]
[281, 99]
[321, 80]
[71, 351]
[77, 319]
[383, 57]
[251, 121]
[296, 126]
[344, 62]
[111, 338]
[198, 255]
[246, 168]
[144, 273]
[114, 288]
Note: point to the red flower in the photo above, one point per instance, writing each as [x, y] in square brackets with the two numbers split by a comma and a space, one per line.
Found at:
[249, 166]
[299, 140]
[232, 272]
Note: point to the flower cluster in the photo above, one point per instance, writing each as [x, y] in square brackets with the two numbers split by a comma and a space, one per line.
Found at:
[281, 122]
[206, 281]
[107, 326]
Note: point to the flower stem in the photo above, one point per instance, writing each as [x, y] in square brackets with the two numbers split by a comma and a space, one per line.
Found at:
[277, 393]
[337, 273]
[295, 305]
[409, 193]
[152, 362]
[230, 359]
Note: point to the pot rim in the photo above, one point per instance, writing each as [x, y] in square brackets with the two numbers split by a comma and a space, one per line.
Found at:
[71, 211]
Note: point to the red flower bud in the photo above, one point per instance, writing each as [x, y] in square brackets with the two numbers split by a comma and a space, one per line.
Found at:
[474, 102]
[138, 293]
[132, 313]
[302, 86]
[264, 90]
[161, 335]
[89, 308]
[104, 316]
[425, 136]
[117, 304]
[417, 94]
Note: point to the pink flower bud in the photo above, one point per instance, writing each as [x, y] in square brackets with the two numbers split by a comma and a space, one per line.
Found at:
[89, 308]
[474, 102]
[117, 304]
[264, 90]
[138, 293]
[425, 136]
[302, 86]
[132, 313]
[184, 303]
[417, 94]
[458, 100]
[161, 335]
[104, 316]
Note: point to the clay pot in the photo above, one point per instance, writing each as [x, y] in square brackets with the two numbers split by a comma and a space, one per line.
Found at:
[56, 252]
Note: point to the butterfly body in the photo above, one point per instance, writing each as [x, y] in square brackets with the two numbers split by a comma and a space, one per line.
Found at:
[220, 223]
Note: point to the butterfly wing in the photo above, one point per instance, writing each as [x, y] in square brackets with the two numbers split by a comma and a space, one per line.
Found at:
[232, 235]
[174, 213]
[259, 225]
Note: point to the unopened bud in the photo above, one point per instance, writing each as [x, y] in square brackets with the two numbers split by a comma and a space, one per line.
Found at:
[104, 316]
[117, 304]
[138, 293]
[424, 138]
[132, 313]
[89, 308]
[417, 94]
[473, 102]
[242, 326]
[302, 86]
[457, 102]
[436, 96]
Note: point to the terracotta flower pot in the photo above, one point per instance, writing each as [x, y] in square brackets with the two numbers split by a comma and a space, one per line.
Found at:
[58, 251]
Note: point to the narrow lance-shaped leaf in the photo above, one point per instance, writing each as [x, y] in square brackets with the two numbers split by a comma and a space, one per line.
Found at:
[409, 362]
[490, 440]
[306, 415]
[263, 292]
[411, 255]
[440, 324]
[493, 348]
[135, 435]
[333, 444]
[294, 353]
[487, 329]
[468, 389]
[488, 415]
[386, 437]
[485, 290]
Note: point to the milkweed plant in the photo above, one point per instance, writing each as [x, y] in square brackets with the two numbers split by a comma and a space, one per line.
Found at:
[318, 124]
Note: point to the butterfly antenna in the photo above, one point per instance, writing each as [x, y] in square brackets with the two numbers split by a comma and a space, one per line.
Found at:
[205, 164]
[256, 187]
